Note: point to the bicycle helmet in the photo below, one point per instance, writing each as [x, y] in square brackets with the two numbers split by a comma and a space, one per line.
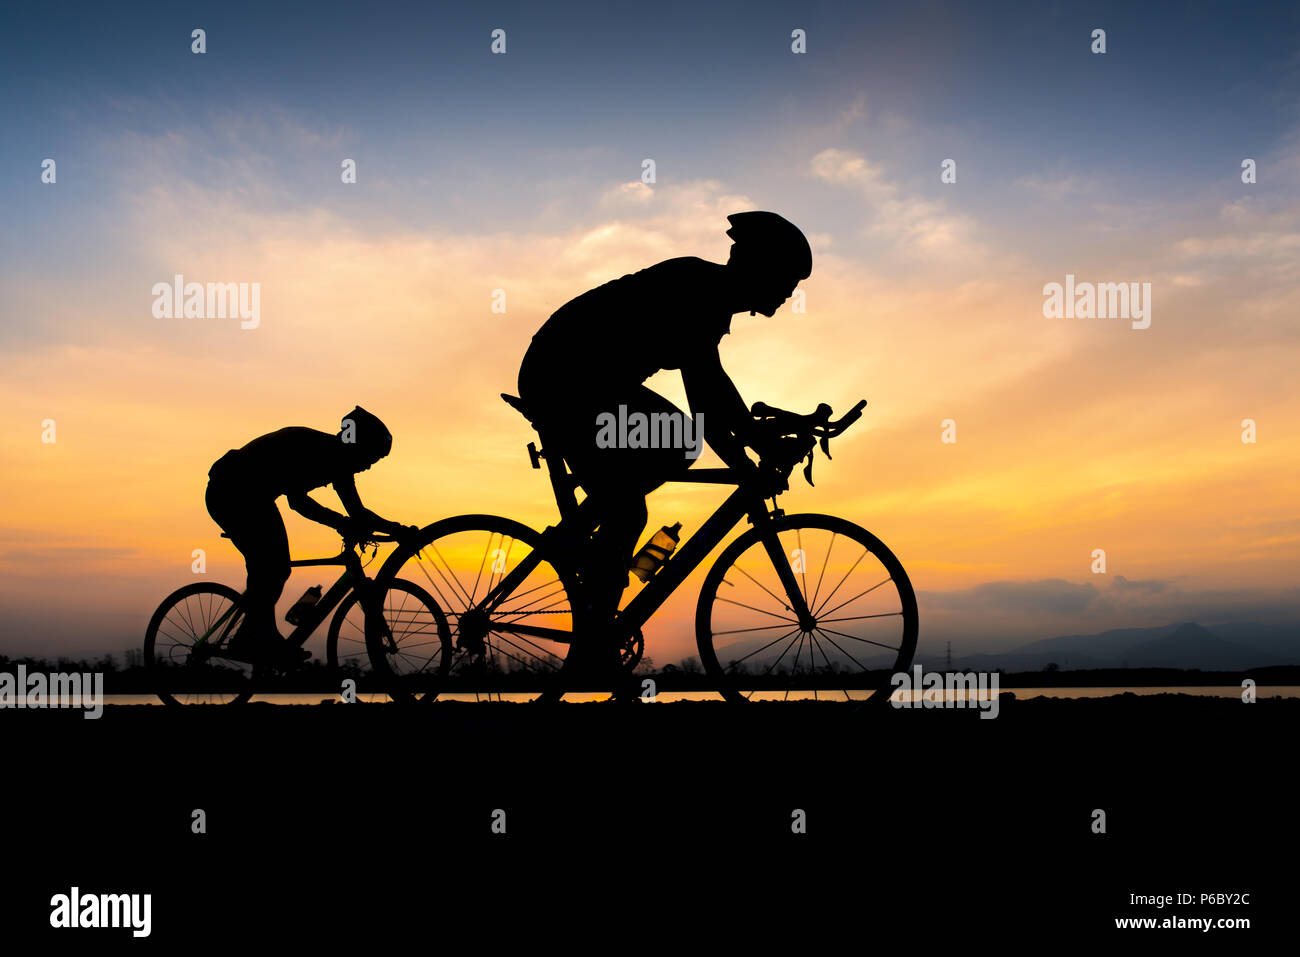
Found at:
[370, 435]
[771, 240]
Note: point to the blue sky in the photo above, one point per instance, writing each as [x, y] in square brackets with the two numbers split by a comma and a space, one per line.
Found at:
[708, 90]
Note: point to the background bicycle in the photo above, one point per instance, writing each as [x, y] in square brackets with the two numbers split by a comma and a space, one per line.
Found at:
[185, 645]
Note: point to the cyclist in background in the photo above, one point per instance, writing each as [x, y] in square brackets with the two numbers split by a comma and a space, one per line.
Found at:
[595, 352]
[243, 486]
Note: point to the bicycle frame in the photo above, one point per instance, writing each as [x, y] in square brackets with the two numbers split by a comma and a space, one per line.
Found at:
[318, 612]
[575, 518]
[670, 575]
[331, 599]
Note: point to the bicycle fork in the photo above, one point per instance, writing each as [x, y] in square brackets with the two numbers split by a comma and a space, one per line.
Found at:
[794, 599]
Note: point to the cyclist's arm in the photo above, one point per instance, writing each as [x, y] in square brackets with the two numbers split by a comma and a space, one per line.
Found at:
[347, 492]
[726, 417]
[309, 508]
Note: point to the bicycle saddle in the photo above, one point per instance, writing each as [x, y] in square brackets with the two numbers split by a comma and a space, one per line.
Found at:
[518, 405]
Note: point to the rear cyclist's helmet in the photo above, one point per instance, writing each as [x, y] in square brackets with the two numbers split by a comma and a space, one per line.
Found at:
[371, 436]
[771, 240]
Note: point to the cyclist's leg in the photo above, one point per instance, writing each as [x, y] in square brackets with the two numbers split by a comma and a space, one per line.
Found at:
[616, 479]
[622, 520]
[255, 528]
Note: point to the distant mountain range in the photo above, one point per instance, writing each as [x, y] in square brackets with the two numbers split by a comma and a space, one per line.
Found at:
[1234, 646]
[1228, 647]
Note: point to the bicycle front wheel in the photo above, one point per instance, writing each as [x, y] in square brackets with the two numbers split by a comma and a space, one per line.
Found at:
[414, 644]
[184, 647]
[859, 630]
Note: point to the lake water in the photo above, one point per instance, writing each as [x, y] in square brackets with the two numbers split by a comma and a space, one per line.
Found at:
[1227, 691]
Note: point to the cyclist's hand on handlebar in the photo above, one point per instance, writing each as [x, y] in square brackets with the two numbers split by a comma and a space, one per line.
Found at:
[784, 420]
[408, 534]
[769, 420]
[761, 410]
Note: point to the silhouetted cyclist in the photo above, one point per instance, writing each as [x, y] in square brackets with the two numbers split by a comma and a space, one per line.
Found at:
[242, 488]
[593, 354]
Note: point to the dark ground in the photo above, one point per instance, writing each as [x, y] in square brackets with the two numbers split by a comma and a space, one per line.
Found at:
[631, 826]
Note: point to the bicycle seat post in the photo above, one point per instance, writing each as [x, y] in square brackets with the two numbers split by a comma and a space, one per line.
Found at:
[562, 482]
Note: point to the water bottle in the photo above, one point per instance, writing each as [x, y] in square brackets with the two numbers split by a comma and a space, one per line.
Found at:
[303, 605]
[655, 552]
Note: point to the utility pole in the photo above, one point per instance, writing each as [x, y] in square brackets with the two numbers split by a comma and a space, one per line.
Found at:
[950, 656]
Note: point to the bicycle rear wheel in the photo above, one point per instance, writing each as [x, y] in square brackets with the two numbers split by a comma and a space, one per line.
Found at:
[511, 651]
[184, 647]
[861, 626]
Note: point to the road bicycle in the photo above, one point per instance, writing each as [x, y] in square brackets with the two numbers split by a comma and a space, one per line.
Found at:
[186, 645]
[795, 604]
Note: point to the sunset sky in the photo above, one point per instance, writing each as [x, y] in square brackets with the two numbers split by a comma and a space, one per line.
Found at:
[523, 172]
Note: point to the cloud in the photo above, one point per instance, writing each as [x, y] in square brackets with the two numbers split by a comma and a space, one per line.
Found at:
[64, 555]
[1150, 587]
[854, 112]
[635, 193]
[1054, 596]
[839, 167]
[995, 612]
[1055, 187]
[908, 221]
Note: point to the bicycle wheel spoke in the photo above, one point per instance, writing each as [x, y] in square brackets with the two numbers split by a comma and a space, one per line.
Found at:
[803, 563]
[528, 591]
[795, 667]
[420, 669]
[826, 601]
[856, 638]
[755, 691]
[764, 587]
[524, 639]
[493, 579]
[836, 646]
[822, 574]
[175, 640]
[883, 614]
[528, 609]
[408, 645]
[737, 631]
[185, 610]
[783, 653]
[454, 584]
[853, 599]
[500, 649]
[759, 610]
[396, 613]
[505, 563]
[829, 667]
[486, 551]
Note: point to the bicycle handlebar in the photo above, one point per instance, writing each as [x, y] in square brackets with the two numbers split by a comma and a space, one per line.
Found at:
[373, 538]
[816, 423]
[842, 423]
[806, 431]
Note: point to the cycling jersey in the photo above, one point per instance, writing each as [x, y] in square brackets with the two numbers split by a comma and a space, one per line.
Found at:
[667, 316]
[289, 461]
